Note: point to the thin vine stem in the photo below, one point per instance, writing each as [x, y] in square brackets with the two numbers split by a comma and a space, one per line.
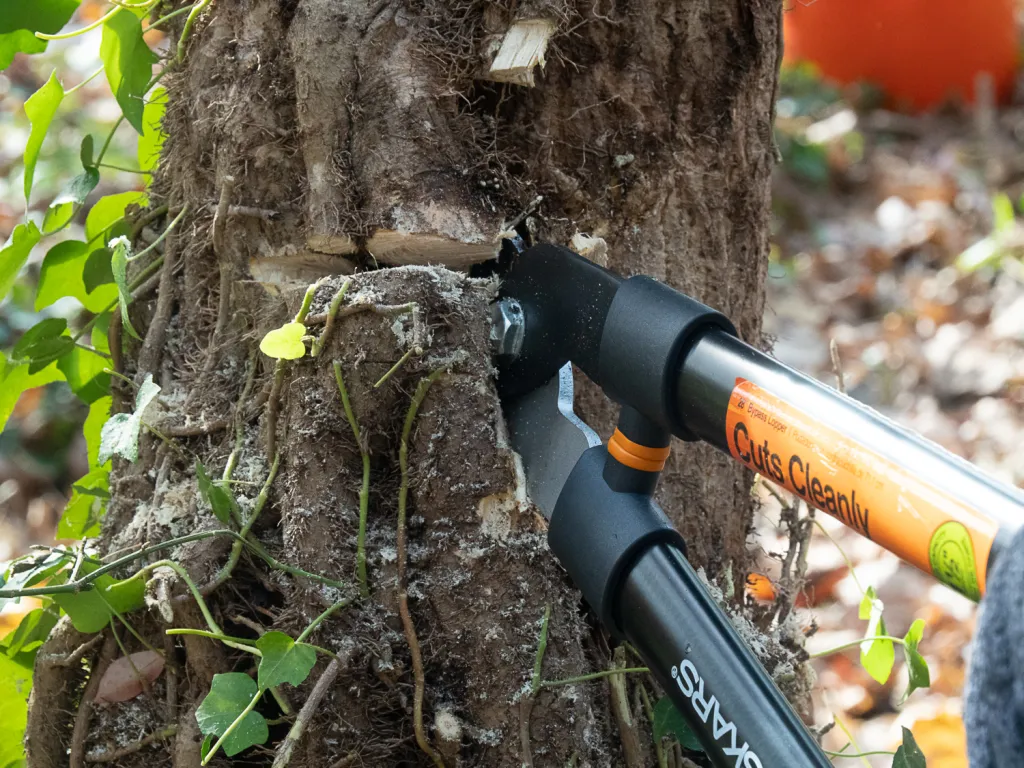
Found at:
[855, 643]
[163, 235]
[320, 619]
[542, 644]
[364, 490]
[183, 40]
[85, 82]
[592, 676]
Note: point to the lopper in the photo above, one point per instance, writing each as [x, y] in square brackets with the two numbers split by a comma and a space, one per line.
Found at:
[676, 367]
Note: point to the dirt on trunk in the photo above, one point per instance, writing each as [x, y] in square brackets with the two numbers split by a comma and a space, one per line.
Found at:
[383, 149]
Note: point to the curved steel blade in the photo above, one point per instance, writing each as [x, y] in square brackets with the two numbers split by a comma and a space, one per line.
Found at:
[549, 437]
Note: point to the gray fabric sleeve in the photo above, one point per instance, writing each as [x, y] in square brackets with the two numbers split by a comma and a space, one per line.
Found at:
[994, 700]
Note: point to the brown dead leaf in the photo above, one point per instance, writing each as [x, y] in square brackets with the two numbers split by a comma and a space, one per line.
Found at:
[122, 682]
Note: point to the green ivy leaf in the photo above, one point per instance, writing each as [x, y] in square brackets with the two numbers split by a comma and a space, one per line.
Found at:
[285, 343]
[108, 211]
[29, 571]
[120, 255]
[15, 379]
[230, 693]
[15, 685]
[61, 274]
[983, 253]
[85, 372]
[128, 63]
[1002, 213]
[152, 139]
[100, 335]
[31, 632]
[70, 200]
[20, 20]
[284, 660]
[85, 152]
[89, 610]
[40, 107]
[43, 343]
[909, 755]
[97, 272]
[120, 435]
[876, 656]
[99, 412]
[217, 496]
[15, 253]
[669, 722]
[917, 667]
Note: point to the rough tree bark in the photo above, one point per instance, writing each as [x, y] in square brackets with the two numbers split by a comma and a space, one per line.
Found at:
[322, 138]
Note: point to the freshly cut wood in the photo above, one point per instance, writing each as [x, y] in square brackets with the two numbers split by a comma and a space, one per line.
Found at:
[331, 244]
[522, 49]
[301, 266]
[401, 248]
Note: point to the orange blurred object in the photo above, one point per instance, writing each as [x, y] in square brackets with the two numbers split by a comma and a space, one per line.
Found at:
[918, 51]
[760, 588]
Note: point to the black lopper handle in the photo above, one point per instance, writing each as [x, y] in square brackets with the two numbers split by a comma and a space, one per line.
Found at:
[723, 693]
[628, 560]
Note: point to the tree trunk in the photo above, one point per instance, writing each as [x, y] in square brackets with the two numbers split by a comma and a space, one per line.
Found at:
[312, 138]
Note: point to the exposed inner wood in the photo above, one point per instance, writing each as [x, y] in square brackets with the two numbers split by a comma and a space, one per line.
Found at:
[522, 50]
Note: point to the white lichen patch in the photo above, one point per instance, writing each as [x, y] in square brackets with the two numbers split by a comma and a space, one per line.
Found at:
[447, 726]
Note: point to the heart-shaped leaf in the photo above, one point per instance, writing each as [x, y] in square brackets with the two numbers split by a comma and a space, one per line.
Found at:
[82, 515]
[128, 63]
[31, 631]
[917, 667]
[230, 694]
[216, 495]
[85, 372]
[120, 435]
[909, 755]
[152, 139]
[89, 609]
[43, 343]
[15, 379]
[669, 722]
[108, 211]
[285, 343]
[19, 21]
[61, 274]
[40, 107]
[876, 656]
[70, 199]
[284, 660]
[15, 253]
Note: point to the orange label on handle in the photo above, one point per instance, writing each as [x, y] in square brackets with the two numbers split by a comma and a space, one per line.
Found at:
[873, 495]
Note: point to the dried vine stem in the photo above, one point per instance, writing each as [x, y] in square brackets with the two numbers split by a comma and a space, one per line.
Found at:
[76, 758]
[284, 752]
[112, 757]
[227, 273]
[403, 593]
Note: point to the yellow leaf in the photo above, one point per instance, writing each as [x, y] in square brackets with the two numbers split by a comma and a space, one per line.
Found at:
[285, 343]
[943, 741]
